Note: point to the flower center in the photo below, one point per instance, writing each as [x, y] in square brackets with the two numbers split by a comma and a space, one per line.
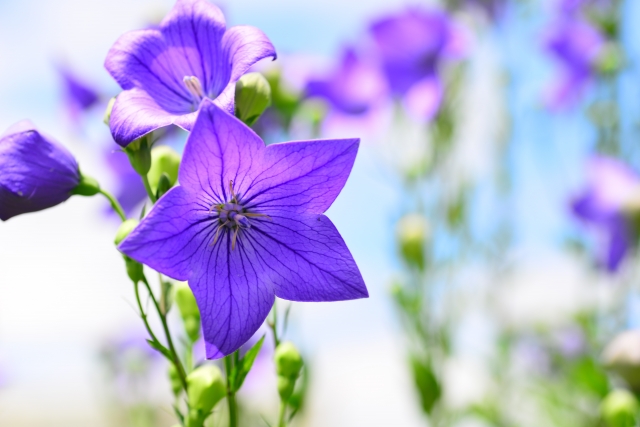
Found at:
[232, 217]
[194, 86]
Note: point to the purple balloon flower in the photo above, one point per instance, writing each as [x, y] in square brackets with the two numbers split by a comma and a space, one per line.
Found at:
[165, 72]
[37, 172]
[576, 45]
[78, 95]
[411, 46]
[610, 194]
[353, 87]
[246, 225]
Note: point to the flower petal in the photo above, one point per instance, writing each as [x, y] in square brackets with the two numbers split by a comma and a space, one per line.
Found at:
[141, 59]
[193, 31]
[305, 258]
[243, 46]
[219, 146]
[302, 176]
[135, 114]
[233, 296]
[174, 232]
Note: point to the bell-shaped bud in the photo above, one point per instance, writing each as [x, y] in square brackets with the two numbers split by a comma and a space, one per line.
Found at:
[622, 356]
[164, 161]
[619, 409]
[87, 186]
[253, 96]
[412, 233]
[286, 386]
[164, 185]
[189, 311]
[107, 112]
[205, 388]
[37, 172]
[288, 360]
[139, 153]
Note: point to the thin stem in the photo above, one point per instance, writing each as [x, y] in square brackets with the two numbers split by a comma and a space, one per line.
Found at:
[282, 419]
[114, 204]
[147, 186]
[231, 394]
[165, 327]
[143, 314]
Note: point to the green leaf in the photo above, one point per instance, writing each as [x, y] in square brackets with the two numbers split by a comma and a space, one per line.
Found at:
[243, 368]
[162, 349]
[426, 383]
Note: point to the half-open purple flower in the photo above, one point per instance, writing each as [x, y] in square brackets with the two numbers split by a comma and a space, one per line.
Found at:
[412, 47]
[167, 71]
[608, 203]
[353, 87]
[246, 225]
[37, 172]
[575, 45]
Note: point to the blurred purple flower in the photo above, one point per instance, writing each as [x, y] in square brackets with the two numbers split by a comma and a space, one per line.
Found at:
[611, 191]
[37, 172]
[353, 87]
[575, 45]
[411, 47]
[130, 190]
[78, 95]
[570, 341]
[166, 72]
[245, 224]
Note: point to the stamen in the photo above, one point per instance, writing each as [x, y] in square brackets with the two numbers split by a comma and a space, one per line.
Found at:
[234, 199]
[215, 238]
[256, 215]
[195, 87]
[233, 239]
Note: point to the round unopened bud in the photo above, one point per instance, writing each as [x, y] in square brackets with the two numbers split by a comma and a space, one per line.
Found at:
[288, 360]
[619, 409]
[622, 356]
[189, 311]
[107, 112]
[139, 153]
[205, 388]
[86, 187]
[286, 386]
[125, 229]
[253, 96]
[164, 160]
[412, 232]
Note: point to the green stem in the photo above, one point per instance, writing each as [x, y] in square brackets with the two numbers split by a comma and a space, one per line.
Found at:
[282, 419]
[143, 314]
[114, 204]
[165, 327]
[231, 394]
[147, 186]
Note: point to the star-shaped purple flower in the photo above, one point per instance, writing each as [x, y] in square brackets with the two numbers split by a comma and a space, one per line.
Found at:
[37, 172]
[167, 71]
[611, 195]
[79, 96]
[246, 224]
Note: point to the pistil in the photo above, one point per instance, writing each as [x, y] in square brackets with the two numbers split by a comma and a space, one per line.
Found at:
[195, 87]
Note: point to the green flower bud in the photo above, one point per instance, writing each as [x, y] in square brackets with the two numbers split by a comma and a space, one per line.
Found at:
[205, 388]
[285, 387]
[610, 59]
[139, 153]
[107, 113]
[412, 232]
[253, 96]
[86, 187]
[134, 268]
[189, 311]
[619, 409]
[125, 229]
[164, 185]
[288, 360]
[164, 160]
[174, 380]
